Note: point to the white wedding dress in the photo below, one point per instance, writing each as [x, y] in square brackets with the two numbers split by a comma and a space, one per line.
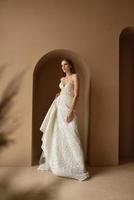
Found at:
[62, 152]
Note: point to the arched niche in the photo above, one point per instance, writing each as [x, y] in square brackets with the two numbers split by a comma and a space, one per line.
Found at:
[46, 79]
[126, 95]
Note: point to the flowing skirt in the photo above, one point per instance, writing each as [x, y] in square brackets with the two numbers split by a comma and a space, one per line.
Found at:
[62, 152]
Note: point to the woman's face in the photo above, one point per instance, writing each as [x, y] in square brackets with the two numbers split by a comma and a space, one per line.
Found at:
[65, 66]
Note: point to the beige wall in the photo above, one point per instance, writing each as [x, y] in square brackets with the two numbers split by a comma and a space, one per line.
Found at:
[29, 30]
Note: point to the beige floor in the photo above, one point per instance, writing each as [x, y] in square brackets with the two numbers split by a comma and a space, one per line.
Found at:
[106, 183]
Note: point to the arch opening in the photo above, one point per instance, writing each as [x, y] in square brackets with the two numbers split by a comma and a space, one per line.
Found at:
[126, 95]
[46, 78]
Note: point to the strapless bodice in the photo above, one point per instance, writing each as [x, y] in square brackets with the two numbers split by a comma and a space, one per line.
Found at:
[68, 88]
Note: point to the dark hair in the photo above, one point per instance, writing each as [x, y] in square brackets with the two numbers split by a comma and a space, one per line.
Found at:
[72, 69]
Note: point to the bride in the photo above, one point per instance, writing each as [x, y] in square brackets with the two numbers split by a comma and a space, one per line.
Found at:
[62, 151]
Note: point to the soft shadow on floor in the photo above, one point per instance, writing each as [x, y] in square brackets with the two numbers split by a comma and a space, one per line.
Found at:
[37, 192]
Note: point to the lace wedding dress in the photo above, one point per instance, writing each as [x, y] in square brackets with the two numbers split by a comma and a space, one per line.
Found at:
[62, 152]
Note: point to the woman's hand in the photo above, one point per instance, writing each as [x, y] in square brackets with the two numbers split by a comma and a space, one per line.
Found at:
[70, 116]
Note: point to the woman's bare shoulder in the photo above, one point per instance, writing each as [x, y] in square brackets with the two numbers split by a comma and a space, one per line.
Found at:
[75, 76]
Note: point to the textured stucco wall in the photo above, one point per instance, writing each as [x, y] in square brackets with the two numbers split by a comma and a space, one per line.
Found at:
[30, 29]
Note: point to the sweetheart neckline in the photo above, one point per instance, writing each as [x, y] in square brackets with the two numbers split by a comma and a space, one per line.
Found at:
[66, 83]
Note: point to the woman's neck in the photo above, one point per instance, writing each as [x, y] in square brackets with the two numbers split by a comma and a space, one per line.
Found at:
[68, 74]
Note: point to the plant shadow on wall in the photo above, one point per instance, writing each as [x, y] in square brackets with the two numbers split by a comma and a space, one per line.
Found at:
[8, 123]
[31, 187]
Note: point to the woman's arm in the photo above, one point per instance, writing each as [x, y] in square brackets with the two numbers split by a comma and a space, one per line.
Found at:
[75, 98]
[76, 92]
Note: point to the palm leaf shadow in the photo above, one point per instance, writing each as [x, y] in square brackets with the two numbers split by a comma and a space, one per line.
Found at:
[8, 124]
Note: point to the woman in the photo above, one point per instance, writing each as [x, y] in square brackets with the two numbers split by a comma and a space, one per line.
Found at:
[62, 152]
